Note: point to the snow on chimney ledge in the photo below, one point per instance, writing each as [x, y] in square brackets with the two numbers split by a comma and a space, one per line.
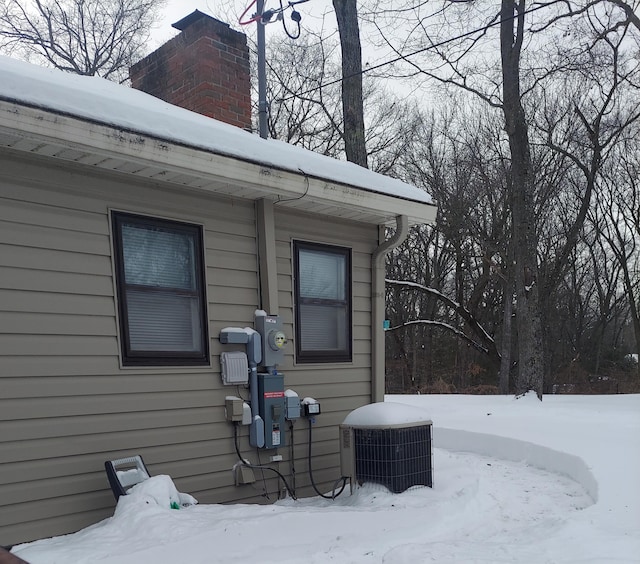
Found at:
[204, 69]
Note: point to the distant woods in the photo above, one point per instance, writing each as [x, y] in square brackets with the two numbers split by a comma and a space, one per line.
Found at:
[522, 121]
[89, 37]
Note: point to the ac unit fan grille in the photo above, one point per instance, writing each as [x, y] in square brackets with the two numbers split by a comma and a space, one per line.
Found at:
[397, 458]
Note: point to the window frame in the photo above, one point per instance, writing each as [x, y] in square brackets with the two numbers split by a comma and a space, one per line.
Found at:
[344, 355]
[153, 358]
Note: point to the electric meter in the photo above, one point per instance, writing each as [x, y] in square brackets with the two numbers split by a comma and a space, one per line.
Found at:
[277, 340]
[273, 339]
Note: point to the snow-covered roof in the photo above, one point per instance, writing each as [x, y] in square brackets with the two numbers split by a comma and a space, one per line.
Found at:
[104, 103]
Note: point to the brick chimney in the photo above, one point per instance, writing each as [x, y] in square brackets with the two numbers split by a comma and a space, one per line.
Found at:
[204, 69]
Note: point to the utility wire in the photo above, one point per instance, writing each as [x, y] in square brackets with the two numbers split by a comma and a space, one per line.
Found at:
[244, 462]
[413, 53]
[342, 479]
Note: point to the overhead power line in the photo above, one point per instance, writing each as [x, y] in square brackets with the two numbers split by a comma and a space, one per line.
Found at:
[413, 53]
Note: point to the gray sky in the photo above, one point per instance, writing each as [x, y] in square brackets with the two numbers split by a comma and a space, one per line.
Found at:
[316, 15]
[311, 11]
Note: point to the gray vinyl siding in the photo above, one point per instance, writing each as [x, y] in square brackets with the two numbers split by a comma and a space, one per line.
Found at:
[67, 405]
[339, 387]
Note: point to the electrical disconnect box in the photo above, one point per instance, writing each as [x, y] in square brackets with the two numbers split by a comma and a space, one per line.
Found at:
[271, 405]
[292, 404]
[233, 408]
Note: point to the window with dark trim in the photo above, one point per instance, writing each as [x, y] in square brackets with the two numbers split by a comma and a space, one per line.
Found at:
[322, 276]
[160, 282]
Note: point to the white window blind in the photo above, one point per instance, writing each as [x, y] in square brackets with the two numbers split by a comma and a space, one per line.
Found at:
[323, 327]
[322, 275]
[323, 303]
[163, 322]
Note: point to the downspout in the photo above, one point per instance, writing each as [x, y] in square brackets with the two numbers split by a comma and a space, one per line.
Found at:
[378, 304]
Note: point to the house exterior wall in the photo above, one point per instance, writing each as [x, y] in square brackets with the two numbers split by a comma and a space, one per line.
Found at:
[339, 387]
[67, 405]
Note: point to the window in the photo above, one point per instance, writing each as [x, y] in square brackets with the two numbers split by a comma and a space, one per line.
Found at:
[323, 302]
[160, 282]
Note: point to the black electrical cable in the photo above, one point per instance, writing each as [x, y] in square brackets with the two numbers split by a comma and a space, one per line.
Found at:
[264, 478]
[306, 191]
[295, 16]
[413, 53]
[313, 483]
[292, 456]
[258, 466]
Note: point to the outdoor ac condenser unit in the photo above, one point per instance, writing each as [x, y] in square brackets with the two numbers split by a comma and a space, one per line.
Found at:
[395, 454]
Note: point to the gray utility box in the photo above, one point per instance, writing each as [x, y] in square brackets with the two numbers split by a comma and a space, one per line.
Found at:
[271, 405]
[273, 339]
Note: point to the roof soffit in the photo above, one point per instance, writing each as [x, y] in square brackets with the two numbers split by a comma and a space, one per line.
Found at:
[68, 138]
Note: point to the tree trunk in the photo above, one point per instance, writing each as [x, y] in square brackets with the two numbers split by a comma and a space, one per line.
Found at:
[505, 355]
[352, 107]
[528, 317]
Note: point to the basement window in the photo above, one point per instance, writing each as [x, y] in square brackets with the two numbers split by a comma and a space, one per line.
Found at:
[323, 302]
[160, 283]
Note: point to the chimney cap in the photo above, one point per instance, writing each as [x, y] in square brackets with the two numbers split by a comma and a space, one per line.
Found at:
[193, 17]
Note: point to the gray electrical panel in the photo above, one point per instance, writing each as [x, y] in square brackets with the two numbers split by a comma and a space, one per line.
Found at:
[271, 403]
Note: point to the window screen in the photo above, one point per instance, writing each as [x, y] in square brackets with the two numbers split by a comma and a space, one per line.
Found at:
[323, 302]
[160, 281]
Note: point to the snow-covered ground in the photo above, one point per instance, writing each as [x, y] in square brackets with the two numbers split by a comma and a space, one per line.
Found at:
[515, 480]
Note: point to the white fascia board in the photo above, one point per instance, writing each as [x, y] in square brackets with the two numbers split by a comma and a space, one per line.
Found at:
[113, 143]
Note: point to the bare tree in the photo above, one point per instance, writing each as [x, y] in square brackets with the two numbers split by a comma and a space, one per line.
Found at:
[543, 58]
[450, 278]
[303, 86]
[88, 37]
[616, 219]
[352, 106]
[592, 122]
[528, 318]
[303, 110]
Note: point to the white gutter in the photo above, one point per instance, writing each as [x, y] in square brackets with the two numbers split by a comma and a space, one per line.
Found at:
[30, 129]
[378, 304]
